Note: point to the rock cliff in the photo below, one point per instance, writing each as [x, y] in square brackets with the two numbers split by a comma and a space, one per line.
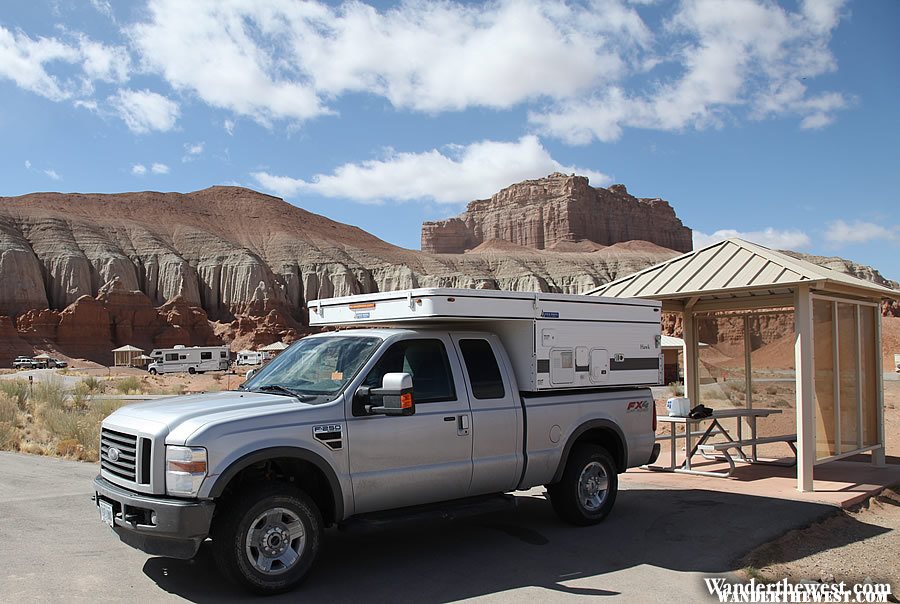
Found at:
[558, 210]
[235, 252]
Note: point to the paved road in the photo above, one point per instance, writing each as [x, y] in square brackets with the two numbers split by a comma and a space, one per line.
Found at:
[655, 546]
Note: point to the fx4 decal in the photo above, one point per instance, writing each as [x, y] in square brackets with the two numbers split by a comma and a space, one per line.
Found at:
[637, 406]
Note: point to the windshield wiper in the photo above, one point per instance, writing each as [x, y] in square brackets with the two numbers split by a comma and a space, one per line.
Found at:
[278, 388]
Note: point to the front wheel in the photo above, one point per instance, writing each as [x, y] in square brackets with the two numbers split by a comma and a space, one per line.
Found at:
[269, 538]
[588, 488]
[153, 372]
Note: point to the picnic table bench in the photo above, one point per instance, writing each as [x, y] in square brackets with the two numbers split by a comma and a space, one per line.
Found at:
[720, 450]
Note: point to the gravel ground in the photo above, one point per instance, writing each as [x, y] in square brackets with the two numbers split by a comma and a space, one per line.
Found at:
[855, 547]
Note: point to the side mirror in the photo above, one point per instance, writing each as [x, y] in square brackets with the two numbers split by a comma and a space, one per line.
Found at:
[250, 374]
[396, 394]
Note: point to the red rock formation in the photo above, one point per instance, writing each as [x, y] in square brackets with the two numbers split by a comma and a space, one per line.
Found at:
[545, 213]
[11, 344]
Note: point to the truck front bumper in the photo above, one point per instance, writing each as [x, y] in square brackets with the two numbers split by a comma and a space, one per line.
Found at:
[156, 525]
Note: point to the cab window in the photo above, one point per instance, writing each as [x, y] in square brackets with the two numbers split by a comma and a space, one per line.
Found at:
[426, 361]
[481, 365]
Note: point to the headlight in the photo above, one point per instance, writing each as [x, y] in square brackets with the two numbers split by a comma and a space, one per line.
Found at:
[185, 470]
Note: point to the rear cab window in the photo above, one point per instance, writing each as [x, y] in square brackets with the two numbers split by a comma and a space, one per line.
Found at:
[482, 368]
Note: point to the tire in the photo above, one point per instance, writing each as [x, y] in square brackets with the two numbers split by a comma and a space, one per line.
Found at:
[152, 372]
[579, 498]
[191, 370]
[276, 516]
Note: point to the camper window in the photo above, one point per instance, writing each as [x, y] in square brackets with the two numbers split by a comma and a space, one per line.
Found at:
[172, 357]
[206, 356]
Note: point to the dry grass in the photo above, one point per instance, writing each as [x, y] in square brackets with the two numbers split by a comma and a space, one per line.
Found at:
[53, 420]
[128, 385]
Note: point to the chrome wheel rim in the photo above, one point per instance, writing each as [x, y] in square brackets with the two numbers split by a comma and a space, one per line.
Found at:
[275, 540]
[593, 486]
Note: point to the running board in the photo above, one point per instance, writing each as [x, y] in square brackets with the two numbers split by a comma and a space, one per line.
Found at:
[433, 512]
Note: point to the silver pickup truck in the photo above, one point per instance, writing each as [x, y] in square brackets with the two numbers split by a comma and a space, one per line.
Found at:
[349, 423]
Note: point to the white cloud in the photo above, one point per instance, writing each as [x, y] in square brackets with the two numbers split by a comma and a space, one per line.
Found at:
[52, 174]
[730, 56]
[192, 151]
[31, 63]
[158, 168]
[791, 239]
[138, 169]
[455, 174]
[280, 59]
[103, 7]
[229, 127]
[859, 231]
[27, 165]
[144, 111]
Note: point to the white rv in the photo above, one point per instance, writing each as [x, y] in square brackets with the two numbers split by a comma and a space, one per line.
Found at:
[195, 359]
[251, 357]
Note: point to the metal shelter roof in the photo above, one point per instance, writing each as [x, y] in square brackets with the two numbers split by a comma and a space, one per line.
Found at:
[127, 348]
[736, 269]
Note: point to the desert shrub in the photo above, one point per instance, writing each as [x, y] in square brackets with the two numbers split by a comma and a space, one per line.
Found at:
[61, 423]
[105, 406]
[676, 389]
[16, 390]
[128, 385]
[80, 395]
[8, 436]
[771, 390]
[67, 447]
[8, 410]
[87, 432]
[93, 385]
[713, 394]
[50, 392]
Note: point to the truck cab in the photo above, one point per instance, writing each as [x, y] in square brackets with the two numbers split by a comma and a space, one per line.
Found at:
[349, 423]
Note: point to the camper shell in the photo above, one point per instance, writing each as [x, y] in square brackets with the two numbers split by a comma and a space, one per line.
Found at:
[555, 341]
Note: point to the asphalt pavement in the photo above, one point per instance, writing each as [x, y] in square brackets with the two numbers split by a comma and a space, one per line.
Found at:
[655, 547]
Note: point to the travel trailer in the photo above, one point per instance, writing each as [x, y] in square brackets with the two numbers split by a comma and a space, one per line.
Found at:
[195, 359]
[251, 357]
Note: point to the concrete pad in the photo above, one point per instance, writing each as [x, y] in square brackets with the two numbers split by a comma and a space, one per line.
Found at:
[841, 483]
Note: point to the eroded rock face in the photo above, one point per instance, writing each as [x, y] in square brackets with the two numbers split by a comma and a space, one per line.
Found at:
[544, 213]
[233, 252]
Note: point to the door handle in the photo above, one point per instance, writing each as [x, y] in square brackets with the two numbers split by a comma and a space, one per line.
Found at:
[462, 425]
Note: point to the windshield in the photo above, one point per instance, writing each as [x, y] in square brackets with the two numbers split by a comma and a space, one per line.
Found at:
[315, 366]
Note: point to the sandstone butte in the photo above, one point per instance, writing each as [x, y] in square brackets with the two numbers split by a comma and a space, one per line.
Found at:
[554, 212]
[83, 273]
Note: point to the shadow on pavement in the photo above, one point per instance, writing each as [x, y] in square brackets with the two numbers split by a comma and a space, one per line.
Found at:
[687, 531]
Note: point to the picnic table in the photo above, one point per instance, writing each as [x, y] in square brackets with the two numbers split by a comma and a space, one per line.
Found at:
[720, 450]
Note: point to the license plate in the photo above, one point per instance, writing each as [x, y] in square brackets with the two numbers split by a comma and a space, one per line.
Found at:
[106, 512]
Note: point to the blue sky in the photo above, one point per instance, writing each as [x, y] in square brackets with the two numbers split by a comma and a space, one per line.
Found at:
[774, 121]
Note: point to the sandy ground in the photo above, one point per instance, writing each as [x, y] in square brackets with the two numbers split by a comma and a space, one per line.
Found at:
[857, 546]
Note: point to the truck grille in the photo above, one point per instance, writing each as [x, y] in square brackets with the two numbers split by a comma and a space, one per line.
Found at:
[133, 459]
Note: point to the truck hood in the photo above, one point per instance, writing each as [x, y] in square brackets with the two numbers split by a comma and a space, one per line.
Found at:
[200, 409]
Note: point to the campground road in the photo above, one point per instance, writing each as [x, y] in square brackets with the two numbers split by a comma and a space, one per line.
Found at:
[655, 547]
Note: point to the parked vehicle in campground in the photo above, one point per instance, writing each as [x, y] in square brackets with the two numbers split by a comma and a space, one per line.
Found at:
[24, 363]
[196, 359]
[251, 357]
[431, 400]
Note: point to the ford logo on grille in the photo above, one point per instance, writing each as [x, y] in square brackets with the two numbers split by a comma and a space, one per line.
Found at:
[113, 454]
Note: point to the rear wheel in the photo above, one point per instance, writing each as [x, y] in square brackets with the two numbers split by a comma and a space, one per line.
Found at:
[191, 370]
[588, 488]
[268, 538]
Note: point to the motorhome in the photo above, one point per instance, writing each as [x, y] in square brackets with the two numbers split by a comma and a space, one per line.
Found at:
[251, 357]
[196, 359]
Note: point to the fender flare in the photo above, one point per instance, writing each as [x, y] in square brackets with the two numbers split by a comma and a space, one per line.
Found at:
[590, 425]
[290, 452]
